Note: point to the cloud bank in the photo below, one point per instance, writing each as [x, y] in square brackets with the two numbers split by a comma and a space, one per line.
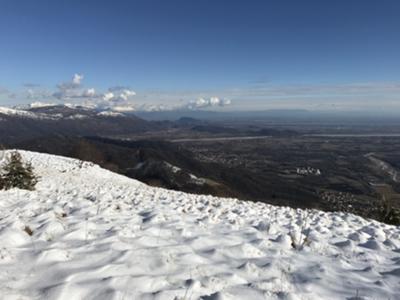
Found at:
[263, 95]
[117, 98]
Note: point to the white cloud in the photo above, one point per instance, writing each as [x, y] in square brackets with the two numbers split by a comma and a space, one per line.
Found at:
[198, 104]
[205, 103]
[126, 94]
[118, 99]
[124, 108]
[74, 93]
[108, 96]
[73, 90]
[77, 79]
[156, 107]
[89, 93]
[75, 83]
[118, 94]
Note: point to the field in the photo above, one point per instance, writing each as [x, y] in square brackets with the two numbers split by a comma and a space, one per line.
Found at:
[336, 172]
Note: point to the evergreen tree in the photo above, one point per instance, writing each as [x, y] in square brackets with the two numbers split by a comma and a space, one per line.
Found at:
[17, 174]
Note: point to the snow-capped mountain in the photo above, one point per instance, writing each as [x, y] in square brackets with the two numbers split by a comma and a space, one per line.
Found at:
[25, 114]
[45, 111]
[88, 233]
[22, 124]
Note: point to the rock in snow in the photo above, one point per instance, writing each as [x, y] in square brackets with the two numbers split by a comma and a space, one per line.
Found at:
[87, 233]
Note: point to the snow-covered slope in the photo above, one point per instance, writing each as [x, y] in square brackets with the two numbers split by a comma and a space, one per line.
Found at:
[63, 112]
[24, 114]
[99, 235]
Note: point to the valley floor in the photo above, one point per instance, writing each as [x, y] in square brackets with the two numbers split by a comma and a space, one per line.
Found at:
[87, 233]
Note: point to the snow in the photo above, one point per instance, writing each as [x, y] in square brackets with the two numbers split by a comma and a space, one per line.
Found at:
[16, 112]
[110, 114]
[39, 104]
[99, 235]
[24, 114]
[173, 168]
[21, 112]
[35, 115]
[87, 106]
[197, 180]
[77, 117]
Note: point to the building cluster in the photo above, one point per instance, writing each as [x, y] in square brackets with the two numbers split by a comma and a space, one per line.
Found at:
[308, 171]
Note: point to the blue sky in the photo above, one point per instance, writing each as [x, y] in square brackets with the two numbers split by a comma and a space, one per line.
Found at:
[249, 54]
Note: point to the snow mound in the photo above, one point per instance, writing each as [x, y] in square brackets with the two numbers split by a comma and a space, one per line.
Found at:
[87, 233]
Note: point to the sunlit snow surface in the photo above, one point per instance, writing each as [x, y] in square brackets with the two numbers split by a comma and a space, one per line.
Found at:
[99, 235]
